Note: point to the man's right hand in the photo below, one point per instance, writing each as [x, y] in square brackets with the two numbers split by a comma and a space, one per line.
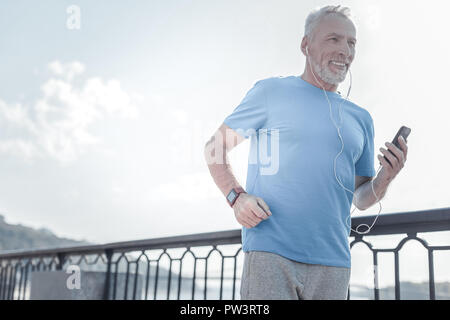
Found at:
[250, 210]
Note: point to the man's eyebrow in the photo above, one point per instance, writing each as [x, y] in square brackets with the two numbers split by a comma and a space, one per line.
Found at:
[339, 36]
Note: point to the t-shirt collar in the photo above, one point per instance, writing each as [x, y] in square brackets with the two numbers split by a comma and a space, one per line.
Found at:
[313, 87]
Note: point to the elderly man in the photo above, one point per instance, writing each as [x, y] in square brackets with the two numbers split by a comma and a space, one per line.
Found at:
[294, 218]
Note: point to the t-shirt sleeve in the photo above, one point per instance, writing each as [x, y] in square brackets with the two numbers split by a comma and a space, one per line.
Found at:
[250, 114]
[365, 164]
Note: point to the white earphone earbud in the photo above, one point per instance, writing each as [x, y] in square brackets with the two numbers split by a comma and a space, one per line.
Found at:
[307, 53]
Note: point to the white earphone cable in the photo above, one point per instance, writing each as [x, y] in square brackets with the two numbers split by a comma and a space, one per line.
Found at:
[342, 148]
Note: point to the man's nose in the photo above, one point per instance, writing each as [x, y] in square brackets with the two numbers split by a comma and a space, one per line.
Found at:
[346, 51]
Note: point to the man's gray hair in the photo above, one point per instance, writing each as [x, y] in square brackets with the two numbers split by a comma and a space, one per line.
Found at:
[317, 14]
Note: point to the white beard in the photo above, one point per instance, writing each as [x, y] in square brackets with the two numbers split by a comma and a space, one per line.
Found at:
[329, 76]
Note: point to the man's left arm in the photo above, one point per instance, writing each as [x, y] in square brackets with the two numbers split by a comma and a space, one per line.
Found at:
[363, 196]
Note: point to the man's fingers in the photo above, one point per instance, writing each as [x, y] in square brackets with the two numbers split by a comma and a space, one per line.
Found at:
[259, 212]
[253, 212]
[254, 217]
[244, 221]
[403, 145]
[396, 151]
[251, 220]
[249, 217]
[391, 157]
[264, 205]
[383, 162]
[246, 224]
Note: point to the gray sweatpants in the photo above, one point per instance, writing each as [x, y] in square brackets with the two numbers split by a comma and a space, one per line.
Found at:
[269, 276]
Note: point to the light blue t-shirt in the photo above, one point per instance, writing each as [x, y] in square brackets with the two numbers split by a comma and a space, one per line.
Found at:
[291, 167]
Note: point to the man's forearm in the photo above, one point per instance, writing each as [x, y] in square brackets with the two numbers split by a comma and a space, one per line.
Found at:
[364, 196]
[220, 170]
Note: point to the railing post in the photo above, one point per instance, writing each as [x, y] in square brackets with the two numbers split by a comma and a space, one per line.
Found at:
[61, 260]
[431, 275]
[1, 278]
[397, 276]
[109, 254]
[375, 276]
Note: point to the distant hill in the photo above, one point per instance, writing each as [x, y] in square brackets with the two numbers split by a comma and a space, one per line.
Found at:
[18, 237]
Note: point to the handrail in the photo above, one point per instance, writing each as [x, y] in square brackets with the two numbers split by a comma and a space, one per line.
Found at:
[394, 223]
[16, 266]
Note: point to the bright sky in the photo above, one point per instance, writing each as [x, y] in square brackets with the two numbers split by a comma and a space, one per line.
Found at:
[103, 127]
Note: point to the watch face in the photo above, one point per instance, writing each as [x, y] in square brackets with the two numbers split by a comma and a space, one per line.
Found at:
[231, 196]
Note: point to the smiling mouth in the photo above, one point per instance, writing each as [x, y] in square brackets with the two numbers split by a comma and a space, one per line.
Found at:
[339, 65]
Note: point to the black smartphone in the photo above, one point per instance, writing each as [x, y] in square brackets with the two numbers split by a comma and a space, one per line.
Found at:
[404, 132]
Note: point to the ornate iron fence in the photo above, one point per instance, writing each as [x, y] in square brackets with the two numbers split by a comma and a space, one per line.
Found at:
[153, 268]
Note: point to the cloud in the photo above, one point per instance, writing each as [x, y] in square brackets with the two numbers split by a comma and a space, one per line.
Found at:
[57, 123]
[68, 70]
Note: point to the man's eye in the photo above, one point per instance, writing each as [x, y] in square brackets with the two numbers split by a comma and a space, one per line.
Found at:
[334, 39]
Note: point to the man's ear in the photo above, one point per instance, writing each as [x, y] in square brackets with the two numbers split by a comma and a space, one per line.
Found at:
[304, 45]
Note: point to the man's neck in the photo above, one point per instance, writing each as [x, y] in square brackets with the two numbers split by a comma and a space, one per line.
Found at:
[308, 77]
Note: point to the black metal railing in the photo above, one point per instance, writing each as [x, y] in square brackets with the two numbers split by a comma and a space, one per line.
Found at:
[146, 269]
